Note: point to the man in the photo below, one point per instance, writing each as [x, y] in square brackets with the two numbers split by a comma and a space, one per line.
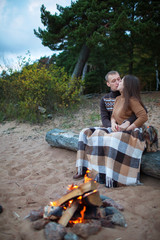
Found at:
[107, 102]
[106, 106]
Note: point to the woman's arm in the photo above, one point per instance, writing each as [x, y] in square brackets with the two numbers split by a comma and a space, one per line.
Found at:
[131, 127]
[140, 113]
[114, 125]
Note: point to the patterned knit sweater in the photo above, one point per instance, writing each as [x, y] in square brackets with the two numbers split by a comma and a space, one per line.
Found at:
[106, 107]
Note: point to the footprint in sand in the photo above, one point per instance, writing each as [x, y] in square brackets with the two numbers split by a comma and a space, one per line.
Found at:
[16, 169]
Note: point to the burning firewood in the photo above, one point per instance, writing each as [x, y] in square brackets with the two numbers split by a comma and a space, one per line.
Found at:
[85, 194]
[68, 213]
[82, 204]
[79, 191]
[92, 198]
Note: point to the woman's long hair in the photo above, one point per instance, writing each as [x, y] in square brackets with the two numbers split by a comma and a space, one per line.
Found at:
[131, 89]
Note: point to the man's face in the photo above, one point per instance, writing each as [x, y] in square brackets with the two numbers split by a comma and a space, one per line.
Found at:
[113, 81]
[121, 85]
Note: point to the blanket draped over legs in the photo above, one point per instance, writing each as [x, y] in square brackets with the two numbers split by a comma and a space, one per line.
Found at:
[115, 155]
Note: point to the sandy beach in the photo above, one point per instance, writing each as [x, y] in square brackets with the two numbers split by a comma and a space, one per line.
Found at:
[33, 173]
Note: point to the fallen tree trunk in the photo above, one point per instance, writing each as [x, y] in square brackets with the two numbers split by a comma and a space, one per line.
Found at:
[151, 164]
[62, 139]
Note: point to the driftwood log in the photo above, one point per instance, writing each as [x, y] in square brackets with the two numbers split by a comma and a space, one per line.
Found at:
[151, 164]
[69, 140]
[62, 139]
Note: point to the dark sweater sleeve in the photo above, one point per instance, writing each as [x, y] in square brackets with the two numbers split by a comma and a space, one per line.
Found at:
[105, 115]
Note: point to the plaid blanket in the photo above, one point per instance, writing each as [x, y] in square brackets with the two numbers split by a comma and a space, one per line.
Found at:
[116, 155]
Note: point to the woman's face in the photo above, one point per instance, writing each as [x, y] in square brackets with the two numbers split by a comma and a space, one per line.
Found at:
[121, 85]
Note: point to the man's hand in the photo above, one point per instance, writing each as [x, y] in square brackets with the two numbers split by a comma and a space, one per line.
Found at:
[123, 126]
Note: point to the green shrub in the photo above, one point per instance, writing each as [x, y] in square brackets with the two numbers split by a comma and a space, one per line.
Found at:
[51, 88]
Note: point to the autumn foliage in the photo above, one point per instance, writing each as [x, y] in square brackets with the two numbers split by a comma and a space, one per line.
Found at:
[21, 93]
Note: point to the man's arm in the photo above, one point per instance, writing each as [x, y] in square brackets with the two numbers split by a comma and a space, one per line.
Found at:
[105, 115]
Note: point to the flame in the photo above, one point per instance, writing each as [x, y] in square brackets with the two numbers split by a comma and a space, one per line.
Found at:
[80, 197]
[70, 202]
[54, 204]
[86, 178]
[71, 187]
[95, 190]
[80, 219]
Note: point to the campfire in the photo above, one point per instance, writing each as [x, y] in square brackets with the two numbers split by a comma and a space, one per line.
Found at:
[77, 201]
[80, 206]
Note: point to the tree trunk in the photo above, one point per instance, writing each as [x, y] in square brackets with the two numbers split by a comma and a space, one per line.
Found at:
[84, 71]
[157, 78]
[131, 60]
[157, 81]
[83, 57]
[83, 76]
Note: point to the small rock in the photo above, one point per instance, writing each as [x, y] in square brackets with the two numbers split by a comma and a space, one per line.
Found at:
[86, 229]
[41, 109]
[36, 214]
[111, 210]
[54, 231]
[49, 116]
[103, 197]
[1, 209]
[106, 222]
[39, 224]
[50, 211]
[71, 236]
[110, 202]
[115, 216]
[119, 219]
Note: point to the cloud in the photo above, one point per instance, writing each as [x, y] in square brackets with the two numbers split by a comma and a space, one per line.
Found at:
[2, 4]
[18, 19]
[33, 6]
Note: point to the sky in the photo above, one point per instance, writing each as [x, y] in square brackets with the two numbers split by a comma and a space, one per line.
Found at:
[18, 19]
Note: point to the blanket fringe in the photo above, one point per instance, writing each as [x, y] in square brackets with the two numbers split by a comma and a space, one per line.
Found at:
[80, 170]
[109, 182]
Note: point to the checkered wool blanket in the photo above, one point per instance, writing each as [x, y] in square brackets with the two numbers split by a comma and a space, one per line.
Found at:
[116, 155]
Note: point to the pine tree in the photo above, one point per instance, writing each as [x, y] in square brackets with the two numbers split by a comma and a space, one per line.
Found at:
[80, 27]
[125, 33]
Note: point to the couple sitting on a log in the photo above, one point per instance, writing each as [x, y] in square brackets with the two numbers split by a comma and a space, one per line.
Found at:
[113, 152]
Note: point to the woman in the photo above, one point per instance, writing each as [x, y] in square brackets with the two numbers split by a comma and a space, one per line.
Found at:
[127, 103]
[113, 155]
